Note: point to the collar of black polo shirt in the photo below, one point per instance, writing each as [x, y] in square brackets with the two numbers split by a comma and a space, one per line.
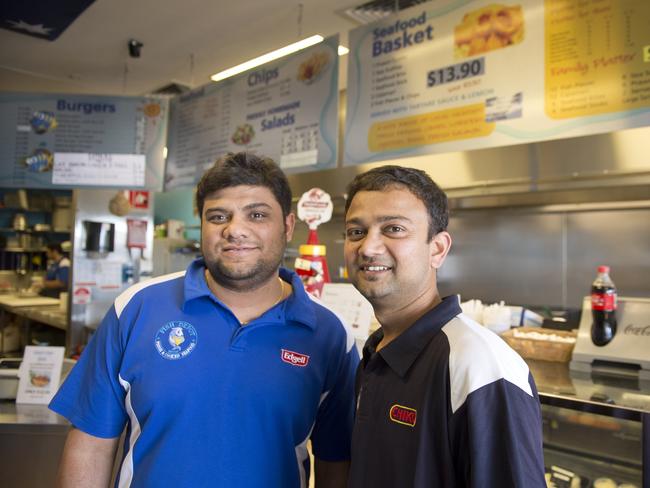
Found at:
[402, 352]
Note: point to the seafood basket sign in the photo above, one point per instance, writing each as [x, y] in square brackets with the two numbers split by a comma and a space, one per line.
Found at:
[285, 109]
[457, 75]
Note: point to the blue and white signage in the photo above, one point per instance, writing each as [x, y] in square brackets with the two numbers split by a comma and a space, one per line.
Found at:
[286, 109]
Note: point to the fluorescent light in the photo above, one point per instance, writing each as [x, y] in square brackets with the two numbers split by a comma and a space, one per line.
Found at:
[265, 58]
[165, 152]
[343, 50]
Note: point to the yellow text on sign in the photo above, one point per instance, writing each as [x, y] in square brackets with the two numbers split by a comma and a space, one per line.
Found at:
[595, 57]
[434, 127]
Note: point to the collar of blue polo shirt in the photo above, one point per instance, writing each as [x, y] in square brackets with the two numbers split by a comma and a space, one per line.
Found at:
[314, 208]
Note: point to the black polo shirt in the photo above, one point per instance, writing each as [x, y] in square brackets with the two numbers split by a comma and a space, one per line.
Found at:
[446, 404]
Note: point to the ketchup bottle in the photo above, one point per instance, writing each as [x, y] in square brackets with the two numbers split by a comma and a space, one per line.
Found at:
[603, 308]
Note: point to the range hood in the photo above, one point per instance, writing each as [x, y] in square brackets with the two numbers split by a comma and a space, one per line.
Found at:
[580, 169]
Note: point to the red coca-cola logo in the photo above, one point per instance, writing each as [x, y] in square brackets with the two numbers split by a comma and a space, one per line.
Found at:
[294, 358]
[603, 301]
[403, 415]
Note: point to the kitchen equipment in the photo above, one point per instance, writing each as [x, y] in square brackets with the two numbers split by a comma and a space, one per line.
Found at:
[62, 219]
[10, 338]
[99, 236]
[627, 353]
[19, 222]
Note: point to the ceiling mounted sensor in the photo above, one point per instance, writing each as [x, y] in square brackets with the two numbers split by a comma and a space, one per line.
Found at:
[41, 18]
[369, 12]
[134, 48]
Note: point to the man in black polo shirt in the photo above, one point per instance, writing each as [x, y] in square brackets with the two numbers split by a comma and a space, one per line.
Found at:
[441, 401]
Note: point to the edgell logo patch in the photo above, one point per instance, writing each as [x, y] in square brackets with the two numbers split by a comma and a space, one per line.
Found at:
[294, 358]
[403, 415]
[176, 340]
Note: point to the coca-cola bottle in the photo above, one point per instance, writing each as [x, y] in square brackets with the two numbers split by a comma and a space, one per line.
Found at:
[603, 308]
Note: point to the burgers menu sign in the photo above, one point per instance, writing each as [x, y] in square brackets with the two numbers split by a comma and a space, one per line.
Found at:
[456, 75]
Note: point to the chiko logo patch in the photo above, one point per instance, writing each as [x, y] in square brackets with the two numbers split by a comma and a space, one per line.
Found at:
[176, 340]
[294, 358]
[403, 415]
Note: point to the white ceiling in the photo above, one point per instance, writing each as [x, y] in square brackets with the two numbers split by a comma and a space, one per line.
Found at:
[91, 56]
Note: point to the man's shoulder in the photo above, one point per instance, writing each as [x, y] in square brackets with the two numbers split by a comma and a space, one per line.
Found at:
[330, 321]
[478, 357]
[154, 287]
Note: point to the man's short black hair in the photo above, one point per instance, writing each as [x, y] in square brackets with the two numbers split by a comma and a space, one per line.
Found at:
[414, 180]
[54, 246]
[245, 169]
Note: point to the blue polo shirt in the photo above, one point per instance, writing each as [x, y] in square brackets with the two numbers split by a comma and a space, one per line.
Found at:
[207, 402]
[59, 270]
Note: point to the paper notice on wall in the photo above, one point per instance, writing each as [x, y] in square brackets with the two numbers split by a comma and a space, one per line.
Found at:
[40, 374]
[350, 305]
[81, 295]
[110, 275]
[99, 169]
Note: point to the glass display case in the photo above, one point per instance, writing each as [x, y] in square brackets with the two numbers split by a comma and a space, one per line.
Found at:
[596, 428]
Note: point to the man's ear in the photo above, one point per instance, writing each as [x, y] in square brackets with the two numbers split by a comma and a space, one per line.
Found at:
[289, 225]
[440, 246]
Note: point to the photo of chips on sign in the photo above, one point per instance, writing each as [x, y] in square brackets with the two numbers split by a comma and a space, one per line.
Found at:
[491, 27]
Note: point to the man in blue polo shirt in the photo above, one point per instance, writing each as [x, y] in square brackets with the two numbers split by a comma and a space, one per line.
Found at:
[441, 401]
[222, 373]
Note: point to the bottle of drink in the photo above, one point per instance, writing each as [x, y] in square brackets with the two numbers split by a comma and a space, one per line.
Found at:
[603, 308]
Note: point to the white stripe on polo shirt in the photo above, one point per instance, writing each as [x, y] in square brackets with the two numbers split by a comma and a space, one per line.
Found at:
[478, 357]
[125, 297]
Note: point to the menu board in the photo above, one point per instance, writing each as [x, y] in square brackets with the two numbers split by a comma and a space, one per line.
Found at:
[455, 75]
[285, 109]
[73, 141]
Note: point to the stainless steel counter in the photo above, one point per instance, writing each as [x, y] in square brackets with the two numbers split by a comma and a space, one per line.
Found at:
[31, 443]
[616, 396]
[12, 414]
[50, 315]
[39, 309]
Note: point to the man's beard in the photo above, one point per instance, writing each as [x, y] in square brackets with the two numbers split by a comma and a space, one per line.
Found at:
[245, 278]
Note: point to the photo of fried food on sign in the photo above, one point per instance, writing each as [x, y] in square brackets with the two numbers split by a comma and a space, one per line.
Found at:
[311, 69]
[491, 27]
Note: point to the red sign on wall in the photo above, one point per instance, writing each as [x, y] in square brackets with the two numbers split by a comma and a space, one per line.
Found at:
[139, 199]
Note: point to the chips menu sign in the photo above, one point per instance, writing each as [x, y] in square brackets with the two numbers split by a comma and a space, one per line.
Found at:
[457, 75]
[285, 109]
[72, 141]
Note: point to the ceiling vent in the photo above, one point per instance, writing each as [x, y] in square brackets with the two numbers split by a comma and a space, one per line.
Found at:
[171, 89]
[369, 12]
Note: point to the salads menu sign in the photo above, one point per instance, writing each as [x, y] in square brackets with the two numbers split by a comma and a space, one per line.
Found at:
[286, 109]
[72, 141]
[465, 74]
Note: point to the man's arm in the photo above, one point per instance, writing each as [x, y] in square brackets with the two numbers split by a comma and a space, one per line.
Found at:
[87, 461]
[331, 474]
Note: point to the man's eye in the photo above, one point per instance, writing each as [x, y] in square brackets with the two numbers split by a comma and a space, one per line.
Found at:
[394, 229]
[257, 215]
[353, 234]
[216, 218]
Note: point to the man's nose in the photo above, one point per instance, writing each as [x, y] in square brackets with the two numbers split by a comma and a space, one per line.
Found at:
[236, 228]
[372, 245]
